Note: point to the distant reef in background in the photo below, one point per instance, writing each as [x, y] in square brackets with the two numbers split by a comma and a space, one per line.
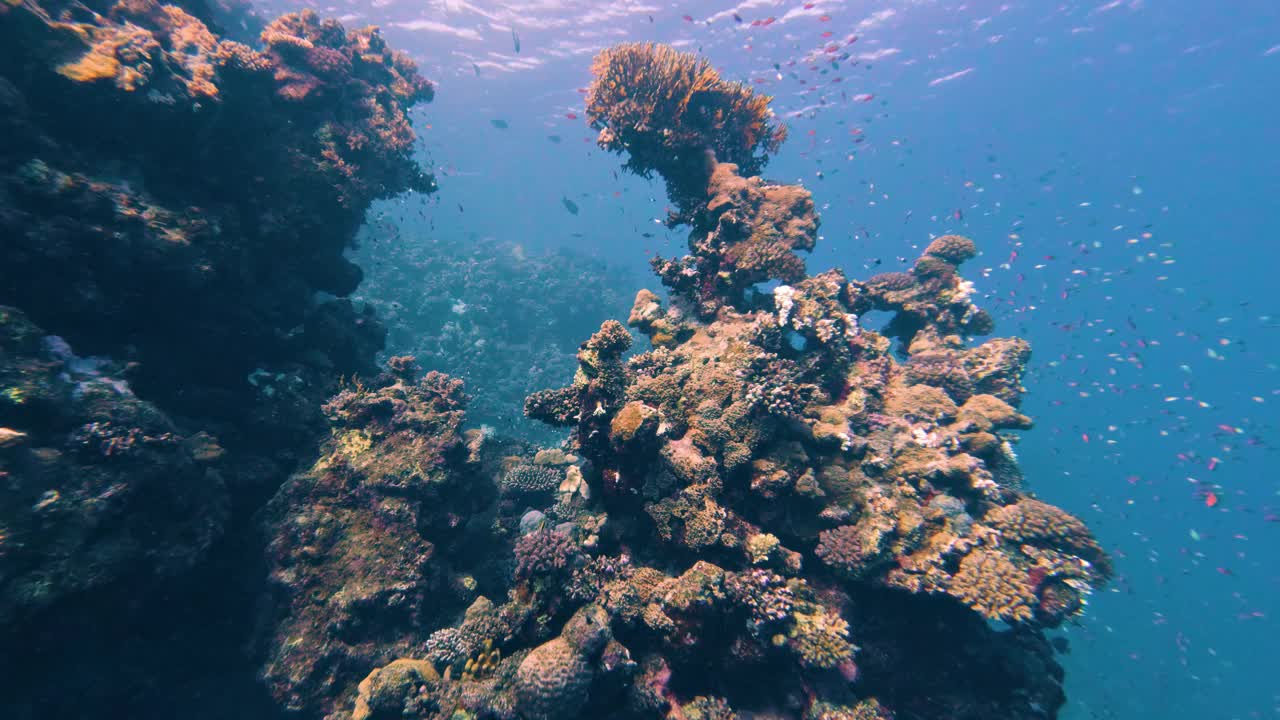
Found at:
[503, 319]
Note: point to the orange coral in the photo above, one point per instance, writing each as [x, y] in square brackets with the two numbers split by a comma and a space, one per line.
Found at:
[665, 108]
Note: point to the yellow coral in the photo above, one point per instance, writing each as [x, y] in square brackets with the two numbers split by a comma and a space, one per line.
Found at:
[760, 546]
[353, 443]
[820, 638]
[991, 584]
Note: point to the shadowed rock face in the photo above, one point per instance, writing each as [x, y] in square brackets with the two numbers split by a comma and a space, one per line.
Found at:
[172, 204]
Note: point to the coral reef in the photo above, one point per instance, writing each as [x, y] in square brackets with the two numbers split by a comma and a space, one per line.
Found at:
[766, 512]
[757, 417]
[772, 514]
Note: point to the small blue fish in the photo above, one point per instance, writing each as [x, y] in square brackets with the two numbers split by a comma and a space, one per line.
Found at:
[500, 124]
[515, 40]
[570, 205]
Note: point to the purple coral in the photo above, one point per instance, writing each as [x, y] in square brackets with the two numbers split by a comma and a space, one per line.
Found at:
[840, 548]
[543, 552]
[766, 595]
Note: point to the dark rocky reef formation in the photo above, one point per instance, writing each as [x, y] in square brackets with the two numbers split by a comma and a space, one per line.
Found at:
[174, 208]
[767, 514]
[96, 483]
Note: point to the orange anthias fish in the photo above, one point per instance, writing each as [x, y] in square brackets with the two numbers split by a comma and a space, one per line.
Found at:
[1210, 499]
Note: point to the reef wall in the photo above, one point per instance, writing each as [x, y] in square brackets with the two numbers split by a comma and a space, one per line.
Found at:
[174, 208]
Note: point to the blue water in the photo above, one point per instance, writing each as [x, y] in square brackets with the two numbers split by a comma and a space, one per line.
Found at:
[1118, 164]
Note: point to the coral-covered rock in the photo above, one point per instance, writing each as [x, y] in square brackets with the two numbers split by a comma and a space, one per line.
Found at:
[554, 679]
[358, 543]
[382, 693]
[745, 232]
[780, 422]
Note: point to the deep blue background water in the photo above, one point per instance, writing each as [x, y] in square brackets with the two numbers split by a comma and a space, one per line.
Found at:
[1128, 153]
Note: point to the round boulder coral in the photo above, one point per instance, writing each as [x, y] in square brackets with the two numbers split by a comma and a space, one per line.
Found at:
[955, 249]
[554, 679]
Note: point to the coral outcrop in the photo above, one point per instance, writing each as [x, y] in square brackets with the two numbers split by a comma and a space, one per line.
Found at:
[95, 483]
[362, 551]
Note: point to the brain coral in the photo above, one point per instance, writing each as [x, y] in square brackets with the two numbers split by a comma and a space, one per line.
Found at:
[553, 680]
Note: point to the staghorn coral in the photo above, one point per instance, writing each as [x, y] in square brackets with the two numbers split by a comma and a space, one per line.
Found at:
[666, 109]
